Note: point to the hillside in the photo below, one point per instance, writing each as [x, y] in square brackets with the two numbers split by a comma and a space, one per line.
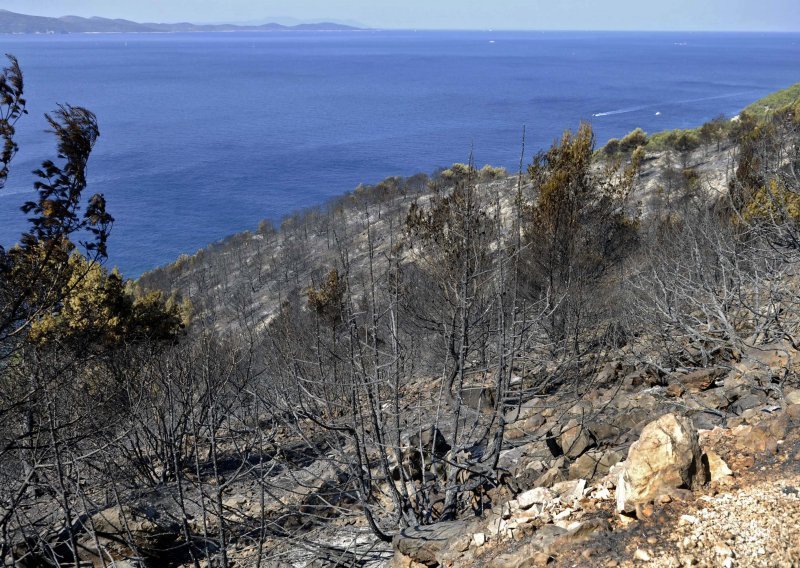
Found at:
[14, 23]
[592, 362]
[775, 101]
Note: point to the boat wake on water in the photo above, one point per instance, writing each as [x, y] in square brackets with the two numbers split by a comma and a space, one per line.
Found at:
[680, 102]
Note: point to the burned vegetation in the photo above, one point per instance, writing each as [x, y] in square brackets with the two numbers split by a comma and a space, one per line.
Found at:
[306, 394]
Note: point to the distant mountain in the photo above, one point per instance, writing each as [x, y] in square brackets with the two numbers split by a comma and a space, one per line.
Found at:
[288, 21]
[13, 23]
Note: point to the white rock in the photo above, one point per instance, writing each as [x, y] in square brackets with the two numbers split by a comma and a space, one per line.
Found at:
[537, 496]
[569, 490]
[563, 515]
[723, 550]
[667, 455]
[479, 539]
[717, 466]
[642, 555]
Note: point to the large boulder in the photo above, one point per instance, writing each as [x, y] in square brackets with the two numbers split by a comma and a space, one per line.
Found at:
[666, 457]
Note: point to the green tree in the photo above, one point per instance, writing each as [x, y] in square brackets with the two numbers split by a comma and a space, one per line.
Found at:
[576, 227]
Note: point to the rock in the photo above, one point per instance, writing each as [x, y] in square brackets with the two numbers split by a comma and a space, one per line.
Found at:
[575, 439]
[701, 379]
[607, 374]
[675, 390]
[479, 539]
[526, 557]
[585, 466]
[634, 380]
[130, 531]
[236, 502]
[642, 555]
[593, 464]
[570, 490]
[432, 442]
[478, 398]
[425, 544]
[533, 422]
[703, 420]
[756, 440]
[722, 549]
[543, 538]
[736, 387]
[747, 402]
[666, 456]
[717, 467]
[793, 412]
[537, 496]
[793, 397]
[713, 399]
[603, 431]
[551, 476]
[780, 425]
[776, 357]
[541, 559]
[610, 459]
[579, 534]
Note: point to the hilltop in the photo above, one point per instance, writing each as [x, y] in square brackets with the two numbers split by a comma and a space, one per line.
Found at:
[14, 23]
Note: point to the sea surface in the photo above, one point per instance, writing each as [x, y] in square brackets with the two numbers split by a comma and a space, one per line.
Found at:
[203, 135]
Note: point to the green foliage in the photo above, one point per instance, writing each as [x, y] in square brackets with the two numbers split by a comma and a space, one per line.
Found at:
[612, 147]
[12, 108]
[458, 172]
[577, 227]
[489, 173]
[56, 212]
[789, 97]
[51, 294]
[670, 139]
[773, 202]
[635, 139]
[97, 306]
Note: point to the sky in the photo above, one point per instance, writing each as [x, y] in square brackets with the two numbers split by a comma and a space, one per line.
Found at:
[712, 15]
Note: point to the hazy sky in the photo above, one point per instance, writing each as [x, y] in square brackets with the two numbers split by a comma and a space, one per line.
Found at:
[773, 15]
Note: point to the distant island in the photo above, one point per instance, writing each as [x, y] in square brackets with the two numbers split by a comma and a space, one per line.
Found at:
[14, 23]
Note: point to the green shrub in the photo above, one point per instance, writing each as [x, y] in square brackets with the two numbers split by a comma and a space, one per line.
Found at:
[633, 140]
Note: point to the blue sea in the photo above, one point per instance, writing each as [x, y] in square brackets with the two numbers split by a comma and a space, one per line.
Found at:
[203, 135]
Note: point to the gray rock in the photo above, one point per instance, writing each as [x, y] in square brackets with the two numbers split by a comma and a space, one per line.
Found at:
[575, 439]
[426, 544]
[752, 400]
[478, 398]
